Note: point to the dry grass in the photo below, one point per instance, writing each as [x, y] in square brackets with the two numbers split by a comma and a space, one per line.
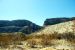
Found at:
[33, 40]
[43, 39]
[10, 39]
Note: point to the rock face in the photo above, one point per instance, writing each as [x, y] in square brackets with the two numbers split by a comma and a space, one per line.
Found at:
[53, 21]
[24, 26]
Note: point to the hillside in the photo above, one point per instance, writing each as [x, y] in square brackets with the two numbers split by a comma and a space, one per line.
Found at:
[24, 26]
[64, 27]
[60, 36]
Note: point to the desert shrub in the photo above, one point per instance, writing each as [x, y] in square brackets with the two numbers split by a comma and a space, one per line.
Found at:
[3, 44]
[5, 40]
[69, 36]
[8, 39]
[33, 42]
[42, 39]
[46, 41]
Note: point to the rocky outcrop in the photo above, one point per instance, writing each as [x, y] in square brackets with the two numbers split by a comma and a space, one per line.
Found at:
[53, 21]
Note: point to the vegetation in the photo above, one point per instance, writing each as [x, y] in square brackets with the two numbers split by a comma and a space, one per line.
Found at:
[45, 38]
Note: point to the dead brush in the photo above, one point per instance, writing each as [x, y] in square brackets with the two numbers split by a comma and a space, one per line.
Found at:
[43, 39]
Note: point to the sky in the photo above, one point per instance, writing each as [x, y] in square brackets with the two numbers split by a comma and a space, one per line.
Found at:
[36, 10]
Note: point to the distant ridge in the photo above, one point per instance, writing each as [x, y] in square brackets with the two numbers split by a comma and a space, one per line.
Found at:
[52, 21]
[24, 26]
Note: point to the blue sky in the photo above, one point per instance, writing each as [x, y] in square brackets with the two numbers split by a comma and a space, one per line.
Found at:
[36, 10]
